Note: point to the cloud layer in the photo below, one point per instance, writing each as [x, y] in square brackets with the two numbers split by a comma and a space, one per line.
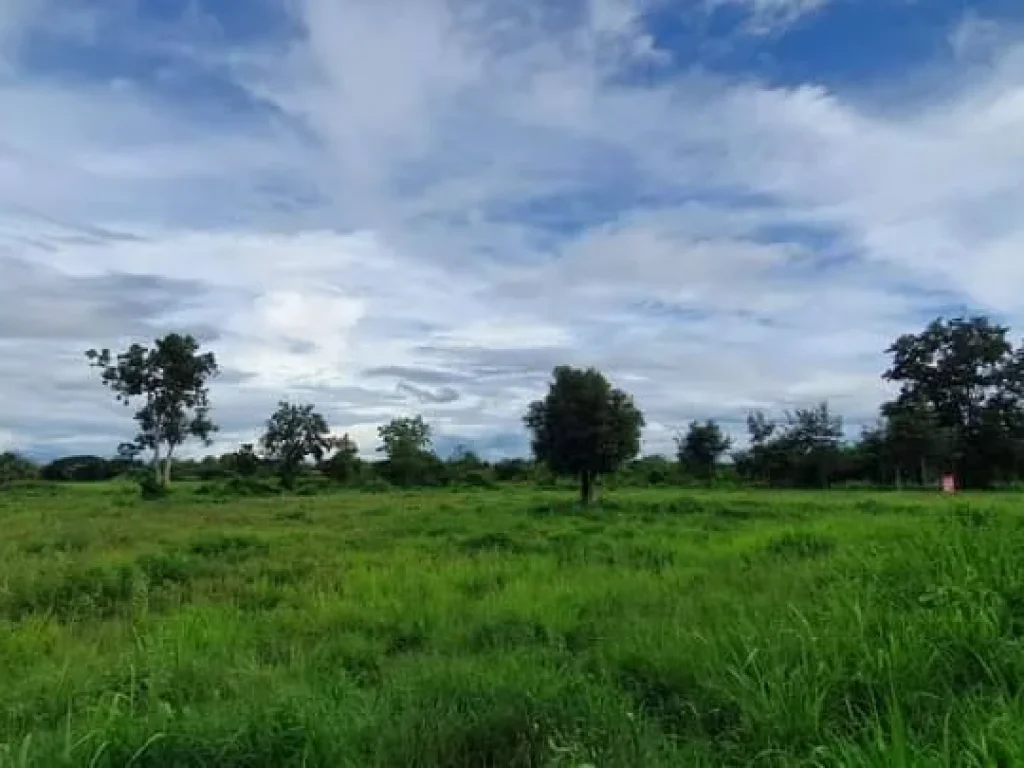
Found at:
[387, 207]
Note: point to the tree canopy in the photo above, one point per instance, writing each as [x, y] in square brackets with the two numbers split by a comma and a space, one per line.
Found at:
[295, 433]
[961, 399]
[171, 381]
[701, 448]
[406, 442]
[584, 427]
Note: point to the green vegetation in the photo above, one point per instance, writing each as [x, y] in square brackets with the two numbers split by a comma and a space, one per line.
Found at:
[485, 619]
[476, 627]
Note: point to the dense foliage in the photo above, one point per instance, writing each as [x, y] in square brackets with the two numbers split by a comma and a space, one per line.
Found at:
[584, 427]
[14, 467]
[295, 433]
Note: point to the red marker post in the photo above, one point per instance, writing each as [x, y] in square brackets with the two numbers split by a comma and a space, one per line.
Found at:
[948, 484]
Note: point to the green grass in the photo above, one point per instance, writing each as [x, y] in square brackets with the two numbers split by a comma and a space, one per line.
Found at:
[508, 627]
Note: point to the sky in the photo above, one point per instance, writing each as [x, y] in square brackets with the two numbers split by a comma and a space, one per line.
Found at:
[391, 207]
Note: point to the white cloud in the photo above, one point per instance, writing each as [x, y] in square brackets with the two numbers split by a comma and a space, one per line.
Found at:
[976, 38]
[772, 15]
[431, 205]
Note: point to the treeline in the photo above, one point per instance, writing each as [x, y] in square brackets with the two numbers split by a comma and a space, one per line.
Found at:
[958, 410]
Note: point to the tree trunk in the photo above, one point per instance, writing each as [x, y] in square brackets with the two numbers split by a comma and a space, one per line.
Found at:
[167, 466]
[158, 469]
[586, 488]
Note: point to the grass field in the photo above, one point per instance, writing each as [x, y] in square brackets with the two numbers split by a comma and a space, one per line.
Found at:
[476, 628]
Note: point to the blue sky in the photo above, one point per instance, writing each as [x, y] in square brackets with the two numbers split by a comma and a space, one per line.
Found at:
[389, 207]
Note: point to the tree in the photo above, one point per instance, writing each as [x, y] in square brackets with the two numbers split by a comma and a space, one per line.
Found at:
[916, 443]
[810, 443]
[344, 466]
[171, 380]
[513, 470]
[244, 462]
[465, 467]
[803, 452]
[293, 434]
[651, 470]
[79, 469]
[968, 377]
[406, 442]
[584, 427]
[701, 448]
[760, 428]
[762, 458]
[14, 467]
[404, 436]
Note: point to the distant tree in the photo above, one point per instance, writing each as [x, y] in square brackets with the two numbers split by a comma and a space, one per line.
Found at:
[295, 433]
[760, 428]
[404, 436]
[762, 459]
[810, 443]
[345, 465]
[967, 378]
[584, 427]
[79, 469]
[14, 468]
[869, 459]
[465, 467]
[803, 452]
[701, 448]
[513, 470]
[652, 470]
[171, 381]
[406, 442]
[244, 462]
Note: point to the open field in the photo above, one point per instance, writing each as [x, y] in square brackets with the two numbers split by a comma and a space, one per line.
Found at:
[662, 628]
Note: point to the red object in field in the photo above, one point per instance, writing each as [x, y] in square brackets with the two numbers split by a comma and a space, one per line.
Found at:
[948, 484]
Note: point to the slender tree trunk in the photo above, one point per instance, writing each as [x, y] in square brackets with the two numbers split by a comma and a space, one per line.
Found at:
[167, 465]
[899, 478]
[586, 488]
[158, 469]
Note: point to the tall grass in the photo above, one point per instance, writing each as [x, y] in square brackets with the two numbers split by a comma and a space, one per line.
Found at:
[510, 628]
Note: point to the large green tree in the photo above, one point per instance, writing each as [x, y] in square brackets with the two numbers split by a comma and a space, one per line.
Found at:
[170, 381]
[295, 433]
[701, 448]
[967, 377]
[407, 444]
[584, 427]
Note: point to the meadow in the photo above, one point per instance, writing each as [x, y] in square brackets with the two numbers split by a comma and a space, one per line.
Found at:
[509, 627]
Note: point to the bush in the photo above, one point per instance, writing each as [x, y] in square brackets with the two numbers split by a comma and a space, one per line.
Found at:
[150, 488]
[239, 485]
